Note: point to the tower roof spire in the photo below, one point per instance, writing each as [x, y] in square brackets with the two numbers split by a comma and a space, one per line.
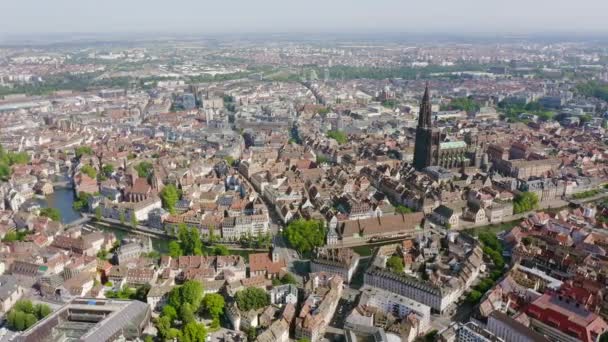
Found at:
[425, 114]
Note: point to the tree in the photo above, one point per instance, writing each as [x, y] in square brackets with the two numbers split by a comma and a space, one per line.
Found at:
[98, 213]
[395, 263]
[252, 333]
[431, 336]
[163, 325]
[141, 294]
[474, 297]
[175, 250]
[30, 320]
[401, 209]
[464, 103]
[186, 314]
[169, 196]
[190, 240]
[220, 250]
[42, 310]
[524, 202]
[134, 222]
[108, 169]
[24, 314]
[252, 298]
[83, 150]
[169, 311]
[52, 213]
[194, 332]
[192, 292]
[121, 217]
[338, 136]
[144, 169]
[213, 304]
[305, 235]
[89, 171]
[288, 278]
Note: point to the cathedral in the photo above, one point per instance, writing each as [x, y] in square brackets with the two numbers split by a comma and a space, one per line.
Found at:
[429, 150]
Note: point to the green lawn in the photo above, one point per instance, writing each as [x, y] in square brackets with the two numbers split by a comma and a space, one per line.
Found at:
[494, 228]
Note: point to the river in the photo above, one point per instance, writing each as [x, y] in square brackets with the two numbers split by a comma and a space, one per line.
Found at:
[62, 200]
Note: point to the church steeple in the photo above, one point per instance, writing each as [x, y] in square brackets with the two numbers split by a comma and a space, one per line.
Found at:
[425, 115]
[426, 148]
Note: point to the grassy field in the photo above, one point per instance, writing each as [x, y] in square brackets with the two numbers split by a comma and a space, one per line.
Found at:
[493, 228]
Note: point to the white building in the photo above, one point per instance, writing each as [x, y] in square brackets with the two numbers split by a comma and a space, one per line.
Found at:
[284, 294]
[397, 305]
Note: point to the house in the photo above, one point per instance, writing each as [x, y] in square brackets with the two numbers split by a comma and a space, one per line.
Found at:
[10, 292]
[284, 294]
[340, 261]
[268, 265]
[446, 216]
[157, 296]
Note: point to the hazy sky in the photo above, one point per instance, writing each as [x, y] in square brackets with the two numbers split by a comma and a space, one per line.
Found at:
[223, 16]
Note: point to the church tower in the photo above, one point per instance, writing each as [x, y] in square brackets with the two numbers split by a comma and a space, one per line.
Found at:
[426, 148]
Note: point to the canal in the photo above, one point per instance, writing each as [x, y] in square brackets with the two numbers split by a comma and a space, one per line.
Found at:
[62, 200]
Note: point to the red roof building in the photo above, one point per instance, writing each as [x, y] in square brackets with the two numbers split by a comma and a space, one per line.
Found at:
[554, 314]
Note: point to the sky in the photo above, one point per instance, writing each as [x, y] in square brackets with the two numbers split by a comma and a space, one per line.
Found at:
[19, 17]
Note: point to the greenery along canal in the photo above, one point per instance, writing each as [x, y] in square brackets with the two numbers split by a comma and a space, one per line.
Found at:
[161, 245]
[63, 198]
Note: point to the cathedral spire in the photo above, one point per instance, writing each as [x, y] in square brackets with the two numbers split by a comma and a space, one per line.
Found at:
[425, 114]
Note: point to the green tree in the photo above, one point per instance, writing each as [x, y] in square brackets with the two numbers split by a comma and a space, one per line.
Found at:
[252, 298]
[144, 169]
[220, 250]
[213, 304]
[30, 320]
[141, 294]
[194, 332]
[401, 209]
[165, 331]
[395, 264]
[338, 136]
[305, 235]
[524, 202]
[42, 310]
[108, 169]
[83, 150]
[89, 171]
[24, 314]
[464, 103]
[134, 222]
[474, 297]
[190, 240]
[175, 250]
[98, 213]
[169, 196]
[186, 314]
[121, 217]
[169, 311]
[288, 278]
[52, 213]
[192, 292]
[252, 334]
